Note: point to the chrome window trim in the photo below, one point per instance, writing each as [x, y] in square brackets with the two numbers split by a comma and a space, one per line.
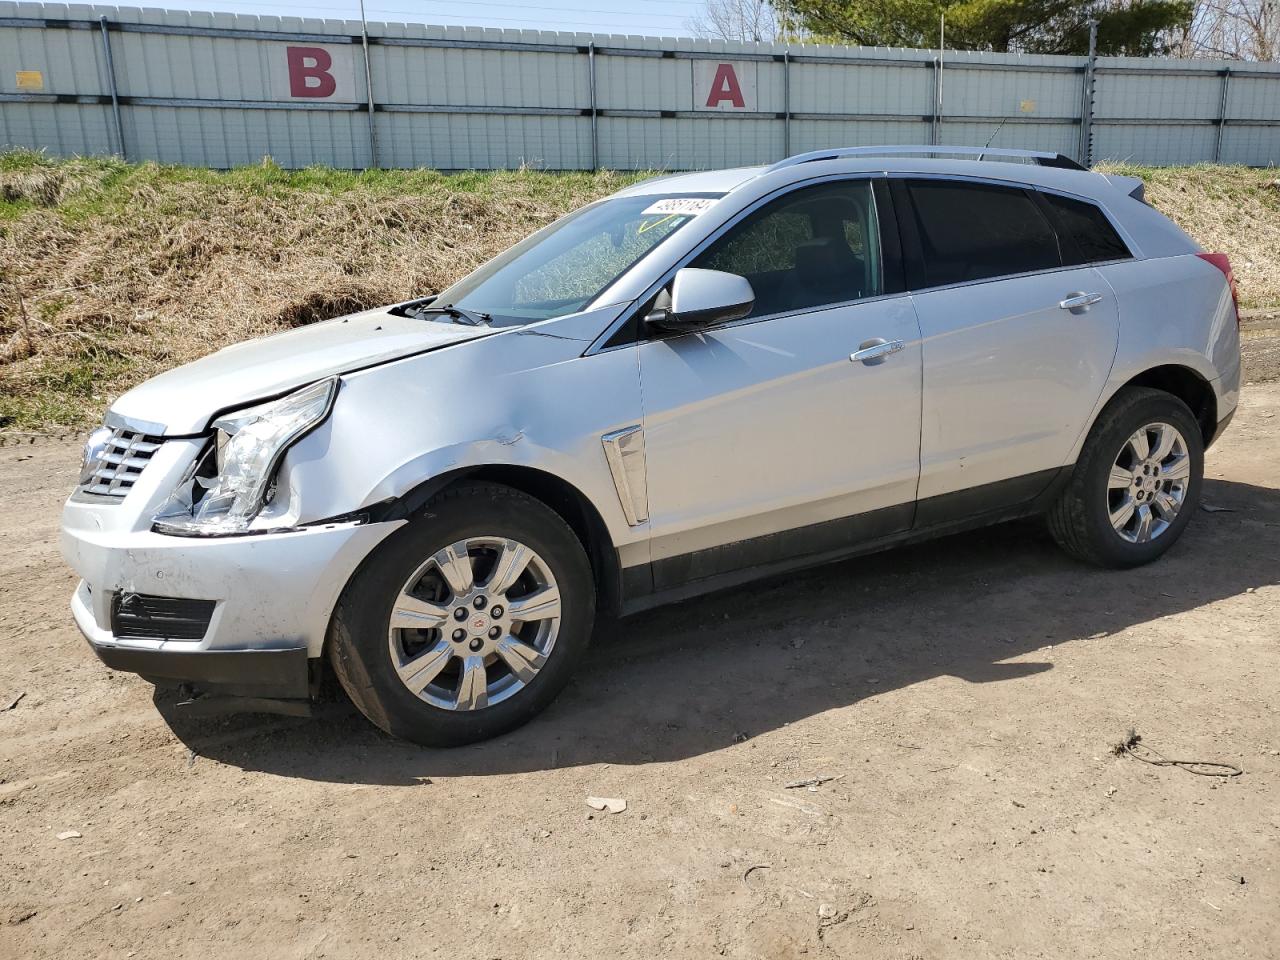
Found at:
[628, 315]
[987, 181]
[1119, 260]
[1005, 276]
[1011, 184]
[805, 311]
[1021, 184]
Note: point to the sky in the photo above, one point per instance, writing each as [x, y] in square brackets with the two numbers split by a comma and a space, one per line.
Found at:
[667, 18]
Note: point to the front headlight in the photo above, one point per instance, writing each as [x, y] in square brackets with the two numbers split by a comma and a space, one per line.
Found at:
[229, 485]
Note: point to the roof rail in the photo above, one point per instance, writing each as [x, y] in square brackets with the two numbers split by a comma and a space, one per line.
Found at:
[1042, 158]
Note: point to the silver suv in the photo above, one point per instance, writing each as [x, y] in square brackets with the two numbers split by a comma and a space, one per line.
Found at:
[702, 379]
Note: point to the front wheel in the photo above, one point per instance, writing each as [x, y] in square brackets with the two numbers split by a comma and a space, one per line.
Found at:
[1136, 483]
[466, 622]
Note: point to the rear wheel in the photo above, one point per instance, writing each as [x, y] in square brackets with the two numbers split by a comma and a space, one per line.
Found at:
[468, 621]
[1136, 483]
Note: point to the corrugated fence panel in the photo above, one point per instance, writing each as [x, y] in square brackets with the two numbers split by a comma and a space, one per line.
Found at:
[643, 83]
[462, 77]
[233, 137]
[69, 61]
[1131, 92]
[1253, 106]
[66, 62]
[687, 143]
[81, 130]
[1252, 94]
[823, 134]
[867, 88]
[1148, 115]
[1056, 138]
[454, 141]
[1155, 144]
[220, 89]
[456, 107]
[1015, 92]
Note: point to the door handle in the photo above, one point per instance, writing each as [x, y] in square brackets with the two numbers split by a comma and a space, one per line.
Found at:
[874, 351]
[1080, 302]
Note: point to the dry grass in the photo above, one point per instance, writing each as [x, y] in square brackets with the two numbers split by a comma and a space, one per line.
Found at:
[111, 272]
[1231, 210]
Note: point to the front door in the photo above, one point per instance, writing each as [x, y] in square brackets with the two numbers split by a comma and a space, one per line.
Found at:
[764, 440]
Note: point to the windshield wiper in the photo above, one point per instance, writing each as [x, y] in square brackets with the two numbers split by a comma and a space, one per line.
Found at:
[472, 318]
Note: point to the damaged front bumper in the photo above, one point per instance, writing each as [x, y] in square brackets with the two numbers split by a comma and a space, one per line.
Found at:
[279, 674]
[242, 616]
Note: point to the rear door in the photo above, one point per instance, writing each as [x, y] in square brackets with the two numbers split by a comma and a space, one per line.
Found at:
[1017, 342]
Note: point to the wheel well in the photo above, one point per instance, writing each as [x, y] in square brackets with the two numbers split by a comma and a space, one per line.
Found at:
[1189, 387]
[565, 499]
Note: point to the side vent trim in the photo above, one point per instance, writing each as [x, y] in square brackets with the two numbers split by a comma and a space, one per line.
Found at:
[624, 449]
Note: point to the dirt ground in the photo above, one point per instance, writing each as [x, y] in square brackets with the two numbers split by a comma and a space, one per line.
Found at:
[1260, 341]
[965, 692]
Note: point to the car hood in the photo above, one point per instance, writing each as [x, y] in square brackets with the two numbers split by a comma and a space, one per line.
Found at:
[183, 400]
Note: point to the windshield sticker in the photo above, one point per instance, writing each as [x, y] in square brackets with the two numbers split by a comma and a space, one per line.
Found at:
[679, 206]
[648, 225]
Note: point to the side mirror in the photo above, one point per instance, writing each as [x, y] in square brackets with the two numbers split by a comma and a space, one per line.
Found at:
[701, 298]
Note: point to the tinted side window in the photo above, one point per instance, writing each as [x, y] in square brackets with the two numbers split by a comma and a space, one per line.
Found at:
[812, 247]
[1087, 227]
[972, 231]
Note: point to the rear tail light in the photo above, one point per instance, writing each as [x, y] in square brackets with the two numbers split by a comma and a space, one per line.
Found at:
[1220, 261]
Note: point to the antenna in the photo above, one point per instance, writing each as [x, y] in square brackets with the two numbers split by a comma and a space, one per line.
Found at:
[993, 136]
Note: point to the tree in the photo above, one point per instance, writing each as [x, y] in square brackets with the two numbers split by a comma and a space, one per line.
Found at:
[1133, 27]
[1235, 29]
[749, 20]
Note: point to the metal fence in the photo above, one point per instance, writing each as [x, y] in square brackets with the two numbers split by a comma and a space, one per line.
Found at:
[218, 90]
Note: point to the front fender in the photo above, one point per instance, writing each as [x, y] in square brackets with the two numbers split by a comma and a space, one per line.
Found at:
[512, 400]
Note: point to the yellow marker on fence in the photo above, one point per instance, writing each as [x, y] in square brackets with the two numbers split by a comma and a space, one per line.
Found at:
[30, 80]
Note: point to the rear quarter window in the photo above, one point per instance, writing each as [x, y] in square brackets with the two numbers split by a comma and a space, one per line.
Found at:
[1087, 234]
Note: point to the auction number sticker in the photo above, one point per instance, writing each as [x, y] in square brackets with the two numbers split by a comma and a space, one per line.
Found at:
[679, 207]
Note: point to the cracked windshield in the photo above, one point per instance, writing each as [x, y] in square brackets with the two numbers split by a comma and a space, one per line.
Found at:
[561, 269]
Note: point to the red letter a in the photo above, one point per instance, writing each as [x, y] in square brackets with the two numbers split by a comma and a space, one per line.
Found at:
[725, 87]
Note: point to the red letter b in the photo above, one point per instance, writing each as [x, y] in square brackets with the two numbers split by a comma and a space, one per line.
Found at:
[309, 72]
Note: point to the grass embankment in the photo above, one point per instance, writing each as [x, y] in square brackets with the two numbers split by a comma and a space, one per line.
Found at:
[111, 272]
[1231, 210]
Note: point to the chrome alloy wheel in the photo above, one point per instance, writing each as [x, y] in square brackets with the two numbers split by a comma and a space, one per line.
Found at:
[475, 623]
[1148, 482]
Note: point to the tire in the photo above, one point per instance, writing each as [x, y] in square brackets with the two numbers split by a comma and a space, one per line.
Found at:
[369, 655]
[1081, 518]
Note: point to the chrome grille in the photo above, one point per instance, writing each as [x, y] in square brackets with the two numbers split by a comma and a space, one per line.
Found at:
[120, 463]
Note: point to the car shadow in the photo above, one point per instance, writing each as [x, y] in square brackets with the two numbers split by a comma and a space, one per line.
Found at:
[705, 674]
